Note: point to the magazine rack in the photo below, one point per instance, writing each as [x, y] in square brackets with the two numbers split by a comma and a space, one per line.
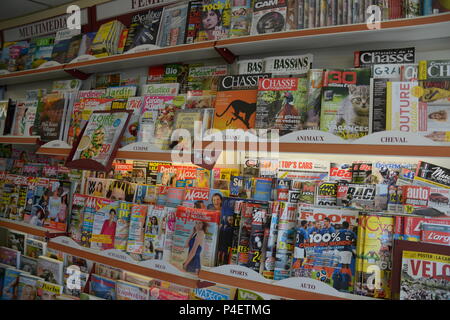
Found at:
[398, 144]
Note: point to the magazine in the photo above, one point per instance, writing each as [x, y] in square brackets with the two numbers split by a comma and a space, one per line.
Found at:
[236, 102]
[215, 20]
[173, 25]
[423, 276]
[104, 225]
[51, 270]
[102, 287]
[48, 291]
[268, 16]
[154, 233]
[241, 18]
[129, 291]
[285, 240]
[76, 216]
[281, 103]
[346, 108]
[100, 140]
[27, 287]
[122, 225]
[195, 229]
[323, 250]
[268, 256]
[135, 242]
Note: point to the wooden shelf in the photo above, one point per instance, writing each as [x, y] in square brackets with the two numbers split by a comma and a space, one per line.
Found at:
[33, 140]
[413, 29]
[29, 229]
[94, 255]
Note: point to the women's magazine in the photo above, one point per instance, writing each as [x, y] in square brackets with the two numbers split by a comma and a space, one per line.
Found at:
[123, 225]
[155, 231]
[136, 232]
[104, 225]
[194, 239]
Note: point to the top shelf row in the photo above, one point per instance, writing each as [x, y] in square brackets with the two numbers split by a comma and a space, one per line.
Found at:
[415, 29]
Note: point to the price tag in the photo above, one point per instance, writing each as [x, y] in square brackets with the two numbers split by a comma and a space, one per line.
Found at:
[142, 147]
[56, 144]
[3, 71]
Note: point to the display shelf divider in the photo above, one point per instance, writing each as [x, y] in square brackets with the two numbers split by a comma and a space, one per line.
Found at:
[20, 139]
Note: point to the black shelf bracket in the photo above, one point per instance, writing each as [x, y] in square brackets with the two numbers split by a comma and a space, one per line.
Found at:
[226, 54]
[78, 74]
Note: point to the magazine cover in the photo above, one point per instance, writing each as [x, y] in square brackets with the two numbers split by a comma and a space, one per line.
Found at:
[149, 114]
[285, 240]
[196, 197]
[377, 238]
[130, 135]
[241, 18]
[215, 20]
[154, 233]
[24, 118]
[244, 227]
[97, 146]
[58, 204]
[35, 248]
[10, 257]
[51, 270]
[268, 256]
[170, 231]
[346, 107]
[27, 287]
[428, 174]
[48, 291]
[146, 30]
[326, 194]
[311, 114]
[268, 16]
[257, 233]
[76, 216]
[418, 282]
[325, 246]
[10, 284]
[122, 225]
[104, 225]
[194, 239]
[194, 21]
[165, 121]
[90, 208]
[281, 102]
[102, 287]
[108, 271]
[28, 264]
[145, 194]
[303, 170]
[236, 101]
[135, 242]
[49, 117]
[16, 240]
[173, 25]
[226, 230]
[129, 291]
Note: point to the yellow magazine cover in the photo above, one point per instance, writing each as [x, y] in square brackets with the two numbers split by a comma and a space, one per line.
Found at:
[376, 254]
